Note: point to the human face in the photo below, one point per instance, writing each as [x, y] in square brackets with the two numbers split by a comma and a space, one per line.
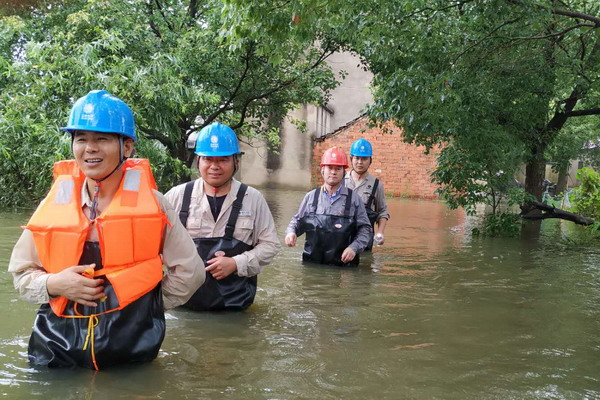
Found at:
[216, 171]
[98, 154]
[332, 174]
[361, 164]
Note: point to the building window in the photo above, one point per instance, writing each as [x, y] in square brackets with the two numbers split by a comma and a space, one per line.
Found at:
[323, 122]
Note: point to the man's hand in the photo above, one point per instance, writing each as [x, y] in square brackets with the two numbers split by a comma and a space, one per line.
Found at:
[221, 267]
[348, 255]
[290, 239]
[72, 284]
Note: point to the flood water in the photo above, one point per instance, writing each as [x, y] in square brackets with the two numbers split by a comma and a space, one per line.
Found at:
[432, 314]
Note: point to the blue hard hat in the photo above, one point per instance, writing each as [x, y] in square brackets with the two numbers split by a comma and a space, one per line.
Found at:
[217, 140]
[100, 111]
[361, 148]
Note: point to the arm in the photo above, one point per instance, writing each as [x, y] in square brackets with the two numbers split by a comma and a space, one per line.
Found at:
[35, 285]
[265, 240]
[292, 231]
[364, 229]
[185, 270]
[302, 211]
[381, 205]
[28, 275]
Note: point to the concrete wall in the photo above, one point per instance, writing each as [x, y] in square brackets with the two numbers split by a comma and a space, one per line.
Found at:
[292, 166]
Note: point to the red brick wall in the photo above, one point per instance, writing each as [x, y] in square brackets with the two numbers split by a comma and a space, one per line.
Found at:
[403, 168]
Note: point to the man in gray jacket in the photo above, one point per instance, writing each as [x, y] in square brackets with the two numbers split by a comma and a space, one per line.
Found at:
[369, 188]
[333, 217]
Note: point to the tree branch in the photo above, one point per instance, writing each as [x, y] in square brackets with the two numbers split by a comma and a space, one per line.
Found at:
[193, 9]
[233, 95]
[457, 4]
[152, 26]
[152, 134]
[553, 212]
[578, 15]
[477, 43]
[552, 34]
[160, 9]
[581, 113]
[326, 53]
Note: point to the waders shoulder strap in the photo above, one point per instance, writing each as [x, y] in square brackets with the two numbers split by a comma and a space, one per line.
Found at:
[348, 203]
[315, 202]
[185, 205]
[372, 196]
[235, 211]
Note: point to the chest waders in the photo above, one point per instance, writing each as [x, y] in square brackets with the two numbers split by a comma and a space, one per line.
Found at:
[88, 337]
[233, 292]
[371, 214]
[327, 235]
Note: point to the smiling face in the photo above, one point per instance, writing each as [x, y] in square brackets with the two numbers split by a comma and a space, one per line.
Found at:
[216, 171]
[98, 154]
[332, 174]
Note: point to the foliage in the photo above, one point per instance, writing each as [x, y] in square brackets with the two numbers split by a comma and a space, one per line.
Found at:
[573, 142]
[170, 60]
[586, 197]
[507, 71]
[501, 224]
[469, 73]
[164, 166]
[468, 175]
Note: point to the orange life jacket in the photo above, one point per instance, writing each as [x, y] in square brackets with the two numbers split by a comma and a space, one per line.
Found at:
[130, 231]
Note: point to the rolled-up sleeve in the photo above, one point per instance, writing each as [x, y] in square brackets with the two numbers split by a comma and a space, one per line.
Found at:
[265, 241]
[302, 211]
[184, 267]
[381, 203]
[365, 231]
[29, 277]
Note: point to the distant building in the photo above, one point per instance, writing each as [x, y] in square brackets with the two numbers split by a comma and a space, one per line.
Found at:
[292, 166]
[404, 169]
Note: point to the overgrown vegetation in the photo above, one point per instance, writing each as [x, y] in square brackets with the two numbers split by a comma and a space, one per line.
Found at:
[586, 197]
[170, 60]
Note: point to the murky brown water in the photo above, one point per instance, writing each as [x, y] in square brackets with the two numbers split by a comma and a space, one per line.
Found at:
[434, 314]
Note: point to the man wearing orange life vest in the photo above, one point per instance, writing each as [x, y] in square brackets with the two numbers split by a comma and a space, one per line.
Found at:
[93, 252]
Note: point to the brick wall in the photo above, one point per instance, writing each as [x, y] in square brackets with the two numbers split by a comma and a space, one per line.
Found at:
[403, 168]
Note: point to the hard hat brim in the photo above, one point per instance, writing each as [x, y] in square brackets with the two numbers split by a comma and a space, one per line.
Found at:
[72, 129]
[215, 153]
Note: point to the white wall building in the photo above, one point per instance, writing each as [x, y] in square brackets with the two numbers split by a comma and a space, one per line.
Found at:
[291, 167]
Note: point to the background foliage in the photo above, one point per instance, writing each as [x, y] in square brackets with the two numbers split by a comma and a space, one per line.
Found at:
[170, 60]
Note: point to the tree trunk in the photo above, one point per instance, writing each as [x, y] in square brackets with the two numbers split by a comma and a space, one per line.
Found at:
[535, 171]
[530, 231]
[561, 185]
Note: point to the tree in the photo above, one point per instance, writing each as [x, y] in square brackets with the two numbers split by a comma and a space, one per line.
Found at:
[576, 140]
[505, 70]
[469, 73]
[170, 60]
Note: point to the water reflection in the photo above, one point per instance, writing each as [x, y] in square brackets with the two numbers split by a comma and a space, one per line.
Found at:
[433, 313]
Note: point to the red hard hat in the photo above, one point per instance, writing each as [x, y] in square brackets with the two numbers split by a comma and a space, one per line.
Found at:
[334, 156]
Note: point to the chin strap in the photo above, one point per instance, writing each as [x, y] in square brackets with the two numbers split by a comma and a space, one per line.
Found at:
[215, 201]
[94, 208]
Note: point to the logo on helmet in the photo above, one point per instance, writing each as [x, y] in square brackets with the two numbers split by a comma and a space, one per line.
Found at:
[88, 111]
[333, 155]
[214, 142]
[362, 148]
